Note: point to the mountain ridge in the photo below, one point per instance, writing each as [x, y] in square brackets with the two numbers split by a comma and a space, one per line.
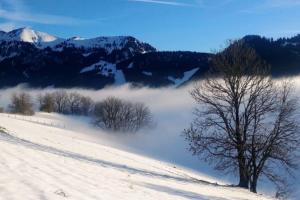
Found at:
[42, 60]
[25, 57]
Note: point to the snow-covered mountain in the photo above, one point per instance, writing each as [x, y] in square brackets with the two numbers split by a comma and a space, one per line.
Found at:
[29, 35]
[41, 59]
[44, 40]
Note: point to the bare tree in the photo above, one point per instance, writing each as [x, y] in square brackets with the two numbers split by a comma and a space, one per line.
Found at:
[118, 115]
[74, 103]
[1, 111]
[86, 105]
[107, 113]
[79, 104]
[61, 101]
[47, 102]
[275, 140]
[245, 122]
[66, 103]
[21, 104]
[142, 116]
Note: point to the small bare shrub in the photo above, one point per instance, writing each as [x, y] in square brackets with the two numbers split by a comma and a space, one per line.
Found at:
[47, 103]
[21, 104]
[117, 115]
[61, 101]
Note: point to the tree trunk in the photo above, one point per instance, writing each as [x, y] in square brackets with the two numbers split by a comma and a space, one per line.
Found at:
[244, 178]
[244, 181]
[253, 185]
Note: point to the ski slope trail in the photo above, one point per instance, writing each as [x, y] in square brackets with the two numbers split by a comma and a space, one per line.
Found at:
[39, 161]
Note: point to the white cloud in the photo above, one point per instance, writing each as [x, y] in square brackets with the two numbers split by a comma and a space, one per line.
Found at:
[16, 11]
[188, 3]
[163, 2]
[7, 26]
[37, 18]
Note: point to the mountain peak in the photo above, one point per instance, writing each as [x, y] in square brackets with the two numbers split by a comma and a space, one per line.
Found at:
[249, 38]
[27, 34]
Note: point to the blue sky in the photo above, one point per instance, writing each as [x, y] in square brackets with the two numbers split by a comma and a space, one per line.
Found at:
[197, 25]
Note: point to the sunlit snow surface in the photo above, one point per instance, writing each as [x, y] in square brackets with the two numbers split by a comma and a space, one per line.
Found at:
[186, 76]
[40, 159]
[51, 156]
[107, 69]
[43, 40]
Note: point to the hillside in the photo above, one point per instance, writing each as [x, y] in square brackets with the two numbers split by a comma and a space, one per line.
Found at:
[283, 54]
[43, 60]
[47, 160]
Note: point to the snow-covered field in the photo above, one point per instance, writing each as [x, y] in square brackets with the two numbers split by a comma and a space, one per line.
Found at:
[43, 157]
[49, 156]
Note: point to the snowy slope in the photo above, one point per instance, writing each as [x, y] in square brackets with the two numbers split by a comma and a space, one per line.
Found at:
[108, 43]
[186, 76]
[106, 69]
[43, 40]
[40, 39]
[42, 158]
